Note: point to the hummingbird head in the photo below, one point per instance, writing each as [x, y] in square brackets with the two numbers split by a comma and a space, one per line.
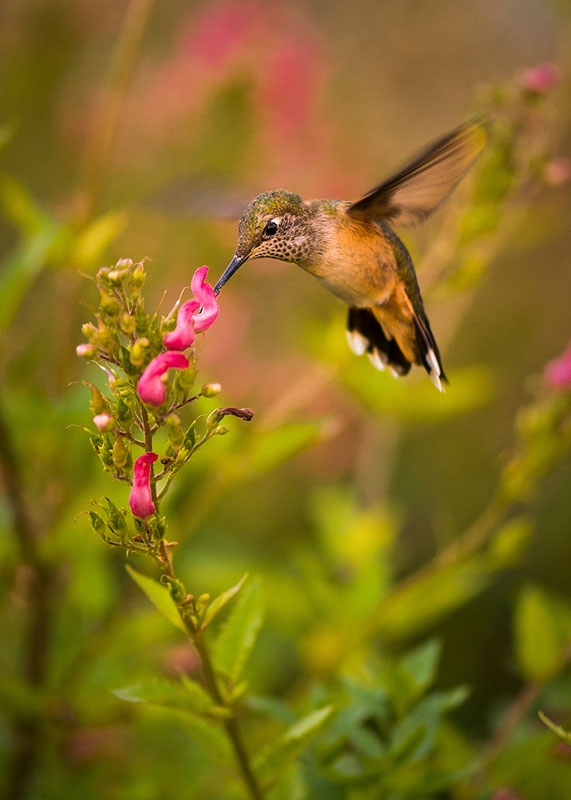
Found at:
[274, 225]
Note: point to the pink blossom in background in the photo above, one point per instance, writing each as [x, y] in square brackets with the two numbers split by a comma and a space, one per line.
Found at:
[540, 79]
[140, 498]
[558, 372]
[222, 31]
[558, 171]
[183, 335]
[206, 298]
[151, 386]
[289, 85]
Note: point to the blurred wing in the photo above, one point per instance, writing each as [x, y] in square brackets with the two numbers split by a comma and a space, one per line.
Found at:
[416, 191]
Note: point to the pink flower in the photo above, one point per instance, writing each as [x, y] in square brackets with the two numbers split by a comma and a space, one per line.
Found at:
[558, 171]
[183, 335]
[151, 386]
[204, 293]
[558, 372]
[140, 498]
[540, 79]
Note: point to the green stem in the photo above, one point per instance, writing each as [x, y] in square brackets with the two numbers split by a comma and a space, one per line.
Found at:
[231, 725]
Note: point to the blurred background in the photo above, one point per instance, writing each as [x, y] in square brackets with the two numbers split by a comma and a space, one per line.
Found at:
[140, 129]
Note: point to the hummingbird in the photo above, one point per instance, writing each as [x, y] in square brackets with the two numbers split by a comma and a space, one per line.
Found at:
[352, 249]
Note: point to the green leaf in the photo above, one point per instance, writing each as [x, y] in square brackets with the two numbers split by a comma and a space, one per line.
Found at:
[272, 447]
[417, 401]
[22, 267]
[91, 242]
[238, 635]
[184, 696]
[219, 602]
[557, 729]
[208, 735]
[409, 609]
[538, 641]
[279, 755]
[413, 738]
[422, 664]
[160, 596]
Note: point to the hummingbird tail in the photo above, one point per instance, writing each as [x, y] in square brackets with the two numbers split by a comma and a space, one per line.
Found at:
[365, 334]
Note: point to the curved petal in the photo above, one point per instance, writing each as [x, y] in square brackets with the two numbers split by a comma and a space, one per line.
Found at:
[204, 293]
[151, 387]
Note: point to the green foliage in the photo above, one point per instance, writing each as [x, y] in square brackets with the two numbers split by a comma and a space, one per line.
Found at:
[159, 596]
[405, 543]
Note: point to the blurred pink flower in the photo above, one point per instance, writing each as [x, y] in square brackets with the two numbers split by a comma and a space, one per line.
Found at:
[558, 372]
[221, 31]
[558, 171]
[183, 335]
[140, 498]
[289, 85]
[206, 298]
[151, 386]
[540, 79]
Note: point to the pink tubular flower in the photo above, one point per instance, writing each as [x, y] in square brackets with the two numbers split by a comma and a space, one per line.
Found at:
[140, 498]
[151, 386]
[540, 79]
[183, 335]
[204, 293]
[558, 371]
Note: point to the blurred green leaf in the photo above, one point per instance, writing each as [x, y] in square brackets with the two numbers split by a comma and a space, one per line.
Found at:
[238, 634]
[275, 758]
[409, 401]
[413, 738]
[184, 696]
[418, 604]
[557, 729]
[91, 242]
[537, 638]
[159, 596]
[272, 447]
[20, 269]
[207, 734]
[20, 208]
[421, 664]
[219, 602]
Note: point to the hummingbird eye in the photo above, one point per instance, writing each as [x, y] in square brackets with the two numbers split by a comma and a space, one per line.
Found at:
[271, 229]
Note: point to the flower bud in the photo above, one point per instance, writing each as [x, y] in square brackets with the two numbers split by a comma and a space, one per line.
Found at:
[214, 418]
[211, 389]
[137, 277]
[176, 431]
[104, 422]
[110, 305]
[138, 351]
[128, 324]
[86, 350]
[120, 453]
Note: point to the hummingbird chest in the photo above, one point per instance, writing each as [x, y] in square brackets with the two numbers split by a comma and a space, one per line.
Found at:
[359, 263]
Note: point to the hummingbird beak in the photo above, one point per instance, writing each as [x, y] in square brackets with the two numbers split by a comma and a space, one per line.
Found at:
[236, 262]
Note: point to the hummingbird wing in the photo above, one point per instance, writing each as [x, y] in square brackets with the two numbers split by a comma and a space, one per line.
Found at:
[413, 193]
